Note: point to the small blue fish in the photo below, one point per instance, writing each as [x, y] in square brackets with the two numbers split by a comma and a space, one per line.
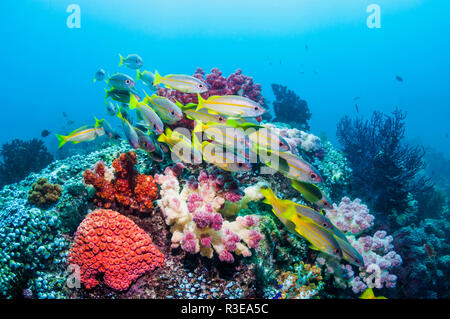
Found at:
[133, 61]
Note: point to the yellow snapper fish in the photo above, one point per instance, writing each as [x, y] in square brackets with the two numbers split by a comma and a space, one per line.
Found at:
[82, 134]
[181, 82]
[228, 161]
[312, 194]
[168, 111]
[231, 105]
[268, 139]
[349, 253]
[148, 115]
[181, 147]
[224, 134]
[200, 115]
[368, 294]
[320, 238]
[304, 211]
[291, 166]
[243, 122]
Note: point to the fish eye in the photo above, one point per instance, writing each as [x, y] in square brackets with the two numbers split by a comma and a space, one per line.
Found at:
[256, 108]
[240, 164]
[200, 85]
[313, 176]
[127, 81]
[173, 113]
[337, 251]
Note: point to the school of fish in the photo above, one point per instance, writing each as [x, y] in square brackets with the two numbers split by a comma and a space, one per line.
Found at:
[226, 134]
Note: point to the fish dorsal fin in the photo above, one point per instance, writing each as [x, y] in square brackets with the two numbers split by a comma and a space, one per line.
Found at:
[84, 127]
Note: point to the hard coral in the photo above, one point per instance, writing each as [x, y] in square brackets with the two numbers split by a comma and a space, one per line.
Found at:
[19, 158]
[235, 84]
[110, 243]
[196, 224]
[289, 108]
[43, 193]
[303, 283]
[123, 188]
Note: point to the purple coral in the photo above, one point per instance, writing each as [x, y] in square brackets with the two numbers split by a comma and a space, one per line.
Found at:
[350, 216]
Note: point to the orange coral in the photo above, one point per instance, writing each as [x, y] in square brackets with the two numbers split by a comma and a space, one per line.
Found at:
[128, 190]
[110, 243]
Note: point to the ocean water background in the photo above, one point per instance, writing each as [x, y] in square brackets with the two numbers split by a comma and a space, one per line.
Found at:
[48, 68]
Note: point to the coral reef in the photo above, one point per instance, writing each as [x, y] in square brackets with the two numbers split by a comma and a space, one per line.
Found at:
[19, 158]
[196, 224]
[122, 188]
[236, 84]
[43, 193]
[30, 242]
[289, 108]
[425, 250]
[110, 243]
[304, 282]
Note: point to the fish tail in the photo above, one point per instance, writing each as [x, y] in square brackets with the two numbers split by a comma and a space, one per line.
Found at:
[269, 195]
[195, 141]
[138, 75]
[133, 102]
[119, 115]
[157, 78]
[367, 294]
[121, 59]
[98, 122]
[201, 102]
[62, 140]
[162, 138]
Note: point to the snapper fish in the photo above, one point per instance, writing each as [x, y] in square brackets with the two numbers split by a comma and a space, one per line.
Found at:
[224, 134]
[147, 77]
[304, 212]
[312, 194]
[291, 166]
[82, 134]
[122, 96]
[145, 142]
[121, 81]
[148, 115]
[228, 161]
[111, 108]
[99, 75]
[321, 239]
[230, 105]
[349, 253]
[181, 147]
[268, 139]
[181, 82]
[106, 127]
[133, 61]
[200, 115]
[168, 111]
[129, 131]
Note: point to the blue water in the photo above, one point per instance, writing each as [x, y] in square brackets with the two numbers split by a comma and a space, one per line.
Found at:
[47, 68]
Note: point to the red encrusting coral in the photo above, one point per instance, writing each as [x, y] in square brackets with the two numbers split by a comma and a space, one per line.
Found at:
[128, 190]
[236, 84]
[109, 243]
